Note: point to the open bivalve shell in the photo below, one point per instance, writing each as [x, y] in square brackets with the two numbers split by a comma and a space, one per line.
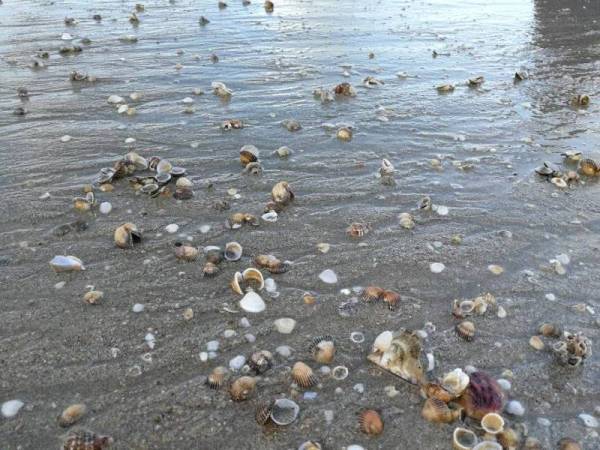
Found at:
[284, 411]
[463, 439]
[250, 278]
[402, 355]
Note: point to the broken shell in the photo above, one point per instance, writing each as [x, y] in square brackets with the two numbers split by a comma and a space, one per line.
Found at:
[386, 168]
[462, 309]
[72, 414]
[344, 134]
[345, 89]
[521, 75]
[463, 439]
[233, 251]
[282, 193]
[340, 373]
[466, 330]
[127, 235]
[221, 90]
[86, 440]
[509, 439]
[69, 263]
[391, 299]
[210, 269]
[232, 124]
[252, 302]
[186, 252]
[310, 445]
[372, 82]
[589, 167]
[483, 395]
[242, 388]
[358, 229]
[284, 411]
[248, 154]
[263, 412]
[477, 81]
[488, 445]
[261, 361]
[370, 422]
[435, 410]
[492, 423]
[558, 182]
[322, 349]
[303, 375]
[456, 382]
[217, 377]
[550, 330]
[434, 390]
[445, 88]
[372, 293]
[93, 297]
[581, 100]
[568, 444]
[403, 355]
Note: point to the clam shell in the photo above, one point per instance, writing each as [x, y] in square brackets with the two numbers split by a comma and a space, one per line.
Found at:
[217, 377]
[345, 89]
[322, 349]
[233, 251]
[403, 356]
[284, 411]
[248, 154]
[370, 422]
[463, 439]
[252, 302]
[372, 293]
[303, 375]
[220, 89]
[93, 297]
[164, 166]
[589, 167]
[435, 410]
[466, 330]
[186, 252]
[445, 88]
[69, 263]
[126, 235]
[139, 161]
[340, 373]
[510, 439]
[183, 194]
[492, 423]
[213, 254]
[162, 178]
[242, 388]
[456, 382]
[150, 188]
[281, 193]
[344, 134]
[391, 299]
[72, 414]
[387, 168]
[358, 229]
[488, 445]
[177, 171]
[254, 278]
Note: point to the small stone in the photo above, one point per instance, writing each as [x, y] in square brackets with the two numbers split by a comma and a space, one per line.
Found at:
[65, 138]
[203, 356]
[237, 363]
[495, 269]
[501, 312]
[270, 285]
[11, 408]
[323, 247]
[60, 285]
[285, 325]
[328, 276]
[172, 228]
[188, 101]
[138, 308]
[442, 210]
[504, 384]
[44, 196]
[391, 391]
[550, 297]
[544, 422]
[229, 334]
[204, 229]
[437, 267]
[250, 338]
[310, 395]
[359, 387]
[105, 207]
[284, 351]
[244, 322]
[536, 342]
[212, 346]
[515, 408]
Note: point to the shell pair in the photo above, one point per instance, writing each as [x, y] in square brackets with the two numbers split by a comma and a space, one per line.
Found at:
[375, 293]
[281, 412]
[126, 235]
[272, 264]
[322, 349]
[238, 219]
[248, 279]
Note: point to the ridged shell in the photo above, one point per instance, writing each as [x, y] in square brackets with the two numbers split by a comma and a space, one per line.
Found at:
[303, 375]
[435, 410]
[86, 440]
[466, 330]
[281, 193]
[263, 412]
[509, 439]
[260, 361]
[217, 377]
[322, 349]
[434, 390]
[372, 293]
[284, 411]
[126, 235]
[186, 252]
[550, 330]
[463, 439]
[242, 388]
[310, 445]
[370, 422]
[233, 251]
[72, 414]
[391, 299]
[483, 395]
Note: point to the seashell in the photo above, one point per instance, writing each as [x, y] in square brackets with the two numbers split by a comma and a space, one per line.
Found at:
[462, 309]
[283, 152]
[340, 373]
[242, 388]
[509, 439]
[260, 361]
[370, 422]
[310, 445]
[86, 440]
[263, 412]
[233, 251]
[483, 395]
[72, 415]
[186, 252]
[126, 235]
[139, 161]
[477, 81]
[358, 229]
[521, 75]
[456, 382]
[213, 254]
[254, 278]
[578, 345]
[488, 445]
[82, 204]
[323, 94]
[383, 342]
[183, 182]
[232, 124]
[372, 82]
[589, 167]
[269, 6]
[403, 355]
[253, 168]
[392, 299]
[345, 89]
[177, 171]
[344, 134]
[93, 297]
[123, 168]
[536, 342]
[372, 293]
[463, 439]
[222, 4]
[550, 330]
[445, 88]
[435, 410]
[406, 221]
[271, 263]
[252, 302]
[221, 90]
[581, 100]
[162, 178]
[303, 375]
[217, 377]
[248, 154]
[386, 168]
[285, 325]
[568, 443]
[282, 193]
[322, 349]
[434, 390]
[492, 423]
[291, 125]
[210, 269]
[466, 330]
[62, 263]
[284, 411]
[558, 182]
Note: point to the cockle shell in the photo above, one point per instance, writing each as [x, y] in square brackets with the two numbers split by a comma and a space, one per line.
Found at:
[483, 395]
[184, 183]
[303, 375]
[435, 410]
[72, 414]
[463, 439]
[391, 299]
[242, 388]
[217, 377]
[492, 423]
[284, 411]
[456, 382]
[248, 154]
[186, 252]
[93, 297]
[550, 330]
[466, 330]
[402, 356]
[370, 422]
[263, 412]
[86, 440]
[372, 293]
[322, 349]
[126, 235]
[282, 193]
[69, 263]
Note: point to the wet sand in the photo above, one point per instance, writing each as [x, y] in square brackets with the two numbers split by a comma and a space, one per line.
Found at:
[56, 350]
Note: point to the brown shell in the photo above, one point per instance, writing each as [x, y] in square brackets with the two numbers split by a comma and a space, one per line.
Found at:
[247, 157]
[186, 252]
[589, 167]
[358, 229]
[434, 390]
[568, 443]
[210, 269]
[263, 412]
[483, 395]
[237, 219]
[303, 375]
[183, 193]
[550, 330]
[242, 388]
[372, 293]
[370, 422]
[269, 6]
[509, 439]
[126, 235]
[123, 168]
[343, 89]
[435, 410]
[272, 264]
[215, 256]
[322, 349]
[86, 440]
[281, 193]
[466, 330]
[72, 414]
[392, 299]
[217, 377]
[260, 361]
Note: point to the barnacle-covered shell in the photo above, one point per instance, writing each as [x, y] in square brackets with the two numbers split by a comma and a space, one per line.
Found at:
[282, 193]
[248, 154]
[466, 330]
[401, 356]
[263, 412]
[456, 382]
[322, 349]
[435, 410]
[72, 414]
[93, 297]
[86, 440]
[260, 361]
[123, 168]
[233, 251]
[370, 422]
[463, 439]
[242, 388]
[126, 235]
[578, 344]
[284, 411]
[303, 375]
[391, 299]
[217, 377]
[358, 229]
[483, 395]
[372, 293]
[186, 252]
[210, 269]
[589, 167]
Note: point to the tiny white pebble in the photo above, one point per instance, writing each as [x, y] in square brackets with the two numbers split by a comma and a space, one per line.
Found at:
[138, 308]
[437, 267]
[229, 333]
[11, 408]
[515, 408]
[65, 138]
[204, 229]
[244, 322]
[129, 140]
[212, 346]
[550, 297]
[359, 387]
[105, 207]
[250, 338]
[60, 285]
[172, 228]
[504, 384]
[284, 350]
[203, 356]
[237, 362]
[544, 422]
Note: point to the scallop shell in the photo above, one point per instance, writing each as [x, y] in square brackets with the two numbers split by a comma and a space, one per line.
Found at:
[370, 422]
[260, 361]
[186, 252]
[303, 375]
[68, 263]
[242, 388]
[284, 411]
[210, 269]
[456, 382]
[403, 355]
[509, 439]
[435, 410]
[281, 193]
[93, 297]
[248, 154]
[233, 251]
[391, 299]
[492, 423]
[483, 395]
[358, 229]
[86, 440]
[72, 414]
[344, 134]
[322, 349]
[372, 293]
[463, 439]
[466, 330]
[126, 235]
[263, 412]
[217, 377]
[589, 167]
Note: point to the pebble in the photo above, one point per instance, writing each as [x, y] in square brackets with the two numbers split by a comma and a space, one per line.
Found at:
[11, 408]
[536, 342]
[44, 196]
[550, 297]
[359, 387]
[563, 259]
[310, 395]
[172, 228]
[495, 269]
[285, 325]
[355, 447]
[60, 285]
[212, 346]
[437, 267]
[501, 312]
[229, 333]
[504, 384]
[244, 322]
[105, 207]
[588, 420]
[442, 210]
[204, 229]
[270, 216]
[544, 422]
[328, 276]
[188, 101]
[391, 391]
[284, 351]
[65, 138]
[237, 363]
[129, 140]
[270, 285]
[115, 99]
[203, 356]
[150, 340]
[250, 338]
[138, 308]
[515, 408]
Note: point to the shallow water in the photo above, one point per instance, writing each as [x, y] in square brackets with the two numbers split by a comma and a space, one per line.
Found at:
[55, 350]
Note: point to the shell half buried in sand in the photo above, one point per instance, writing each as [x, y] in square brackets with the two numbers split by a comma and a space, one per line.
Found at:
[403, 356]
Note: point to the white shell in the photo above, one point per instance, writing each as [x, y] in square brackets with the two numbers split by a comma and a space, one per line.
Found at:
[437, 267]
[62, 263]
[252, 302]
[11, 408]
[115, 100]
[488, 445]
[357, 337]
[515, 408]
[285, 325]
[328, 276]
[383, 341]
[456, 381]
[172, 228]
[233, 251]
[284, 411]
[105, 207]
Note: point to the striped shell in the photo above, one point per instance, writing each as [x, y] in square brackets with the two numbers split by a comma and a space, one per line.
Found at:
[435, 410]
[322, 349]
[86, 440]
[217, 377]
[242, 388]
[370, 422]
[263, 412]
[589, 167]
[372, 293]
[466, 330]
[303, 375]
